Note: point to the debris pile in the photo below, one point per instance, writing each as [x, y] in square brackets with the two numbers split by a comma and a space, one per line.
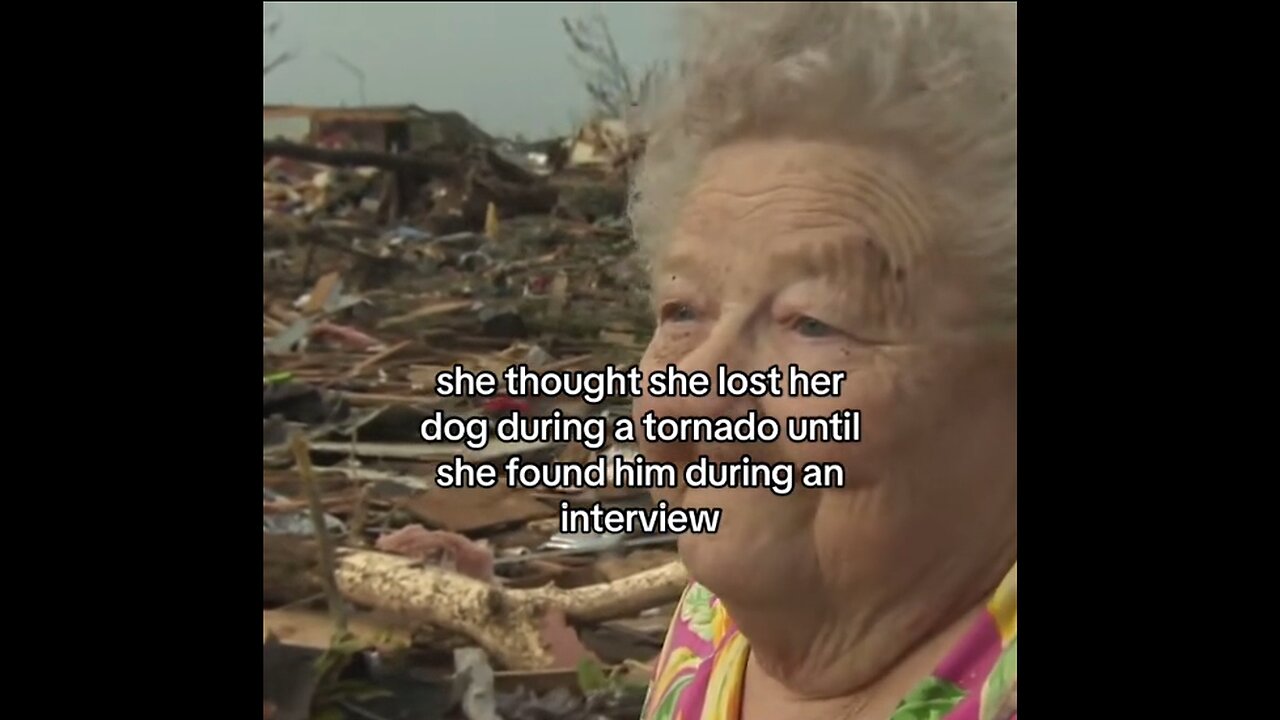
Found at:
[379, 271]
[605, 143]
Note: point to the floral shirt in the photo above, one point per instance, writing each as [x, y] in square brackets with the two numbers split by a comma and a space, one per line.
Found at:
[699, 675]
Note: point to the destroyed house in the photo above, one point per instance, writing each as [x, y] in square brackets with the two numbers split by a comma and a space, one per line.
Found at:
[398, 128]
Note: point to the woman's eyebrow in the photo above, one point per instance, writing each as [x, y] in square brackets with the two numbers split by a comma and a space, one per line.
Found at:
[838, 258]
[847, 256]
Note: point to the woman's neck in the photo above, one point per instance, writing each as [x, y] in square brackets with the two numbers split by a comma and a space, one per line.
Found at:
[765, 697]
[875, 646]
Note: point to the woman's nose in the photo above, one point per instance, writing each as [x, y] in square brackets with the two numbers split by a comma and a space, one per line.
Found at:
[723, 350]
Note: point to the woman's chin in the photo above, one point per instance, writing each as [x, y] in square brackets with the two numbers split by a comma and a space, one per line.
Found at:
[750, 558]
[756, 578]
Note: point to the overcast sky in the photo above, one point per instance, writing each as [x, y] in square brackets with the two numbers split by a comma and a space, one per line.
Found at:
[504, 65]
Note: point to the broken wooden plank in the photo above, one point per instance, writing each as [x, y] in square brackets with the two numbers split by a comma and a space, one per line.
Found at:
[443, 307]
[430, 451]
[369, 362]
[358, 399]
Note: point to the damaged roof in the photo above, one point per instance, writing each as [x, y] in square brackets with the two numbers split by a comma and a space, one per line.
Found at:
[376, 114]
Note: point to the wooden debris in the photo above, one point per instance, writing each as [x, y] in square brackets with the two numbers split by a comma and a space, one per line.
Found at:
[337, 608]
[616, 568]
[470, 509]
[379, 271]
[504, 622]
[323, 291]
[431, 451]
[425, 166]
[372, 360]
[429, 310]
[491, 222]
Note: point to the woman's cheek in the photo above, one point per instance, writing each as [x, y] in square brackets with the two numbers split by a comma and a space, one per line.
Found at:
[657, 358]
[664, 349]
[653, 451]
[644, 403]
[671, 342]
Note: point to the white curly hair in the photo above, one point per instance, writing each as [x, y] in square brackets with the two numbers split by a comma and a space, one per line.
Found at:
[933, 85]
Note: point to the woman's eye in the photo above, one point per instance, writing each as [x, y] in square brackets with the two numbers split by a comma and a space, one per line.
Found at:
[809, 327]
[677, 312]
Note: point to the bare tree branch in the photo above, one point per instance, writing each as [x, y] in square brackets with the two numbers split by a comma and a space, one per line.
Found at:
[269, 29]
[276, 62]
[354, 70]
[606, 77]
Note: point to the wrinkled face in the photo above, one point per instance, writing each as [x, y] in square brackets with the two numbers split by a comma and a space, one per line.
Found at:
[814, 255]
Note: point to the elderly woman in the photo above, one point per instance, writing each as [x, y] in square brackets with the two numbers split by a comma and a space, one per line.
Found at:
[834, 186]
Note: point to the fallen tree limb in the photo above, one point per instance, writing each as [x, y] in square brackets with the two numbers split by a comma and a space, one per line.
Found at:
[506, 623]
[620, 598]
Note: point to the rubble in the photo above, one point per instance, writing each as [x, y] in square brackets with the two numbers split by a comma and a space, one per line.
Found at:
[379, 271]
[604, 142]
